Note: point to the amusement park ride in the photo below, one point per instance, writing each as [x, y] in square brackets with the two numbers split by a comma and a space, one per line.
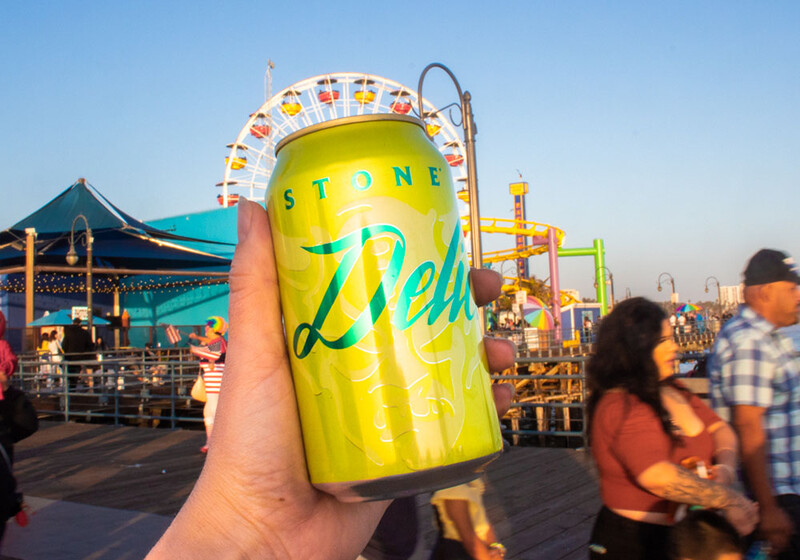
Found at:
[251, 159]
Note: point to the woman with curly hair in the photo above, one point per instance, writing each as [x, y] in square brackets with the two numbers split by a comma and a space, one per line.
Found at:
[655, 443]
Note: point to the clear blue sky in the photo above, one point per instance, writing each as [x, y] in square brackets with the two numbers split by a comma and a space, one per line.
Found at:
[670, 130]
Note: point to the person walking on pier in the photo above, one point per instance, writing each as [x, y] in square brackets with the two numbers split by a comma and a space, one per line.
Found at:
[647, 431]
[755, 384]
[212, 362]
[78, 347]
[18, 420]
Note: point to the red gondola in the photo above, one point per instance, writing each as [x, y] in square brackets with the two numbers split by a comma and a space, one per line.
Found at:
[232, 199]
[327, 94]
[259, 130]
[454, 159]
[401, 105]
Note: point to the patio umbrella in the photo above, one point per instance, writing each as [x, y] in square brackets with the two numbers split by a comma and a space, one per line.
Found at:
[536, 314]
[687, 307]
[540, 319]
[62, 317]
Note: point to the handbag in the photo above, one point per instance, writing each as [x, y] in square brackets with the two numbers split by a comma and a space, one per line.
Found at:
[199, 389]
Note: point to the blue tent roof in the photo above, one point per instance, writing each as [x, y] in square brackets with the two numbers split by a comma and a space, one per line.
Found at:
[119, 240]
[62, 317]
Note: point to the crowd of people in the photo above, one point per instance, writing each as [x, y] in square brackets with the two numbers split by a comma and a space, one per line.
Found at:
[679, 478]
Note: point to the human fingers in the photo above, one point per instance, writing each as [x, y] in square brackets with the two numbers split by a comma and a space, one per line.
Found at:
[500, 352]
[503, 394]
[486, 285]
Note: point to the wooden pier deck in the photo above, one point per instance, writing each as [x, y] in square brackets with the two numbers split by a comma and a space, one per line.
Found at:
[541, 500]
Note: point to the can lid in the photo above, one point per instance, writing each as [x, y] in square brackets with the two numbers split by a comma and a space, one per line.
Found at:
[345, 121]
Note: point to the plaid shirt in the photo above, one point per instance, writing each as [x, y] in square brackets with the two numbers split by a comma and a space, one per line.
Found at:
[754, 364]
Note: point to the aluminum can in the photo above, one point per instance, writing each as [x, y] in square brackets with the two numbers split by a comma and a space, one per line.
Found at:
[385, 345]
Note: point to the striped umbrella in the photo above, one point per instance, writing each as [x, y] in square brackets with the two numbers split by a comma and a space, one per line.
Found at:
[536, 314]
[540, 319]
[687, 307]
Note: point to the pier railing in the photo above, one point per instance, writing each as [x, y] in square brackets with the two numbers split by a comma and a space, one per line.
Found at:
[548, 407]
[145, 388]
[120, 387]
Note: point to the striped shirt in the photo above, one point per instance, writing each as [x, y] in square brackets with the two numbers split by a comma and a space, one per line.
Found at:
[212, 376]
[753, 364]
[212, 362]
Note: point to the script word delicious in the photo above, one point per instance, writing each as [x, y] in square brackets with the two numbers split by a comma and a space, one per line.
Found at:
[417, 283]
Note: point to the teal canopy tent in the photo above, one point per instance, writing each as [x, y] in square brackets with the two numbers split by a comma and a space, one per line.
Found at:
[62, 317]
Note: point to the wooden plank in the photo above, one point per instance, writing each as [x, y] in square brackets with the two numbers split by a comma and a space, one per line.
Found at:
[541, 500]
[121, 467]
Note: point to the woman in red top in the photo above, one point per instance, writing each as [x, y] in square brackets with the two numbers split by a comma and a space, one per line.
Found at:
[644, 426]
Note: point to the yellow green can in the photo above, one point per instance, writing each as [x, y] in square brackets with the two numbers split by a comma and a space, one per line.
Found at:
[382, 330]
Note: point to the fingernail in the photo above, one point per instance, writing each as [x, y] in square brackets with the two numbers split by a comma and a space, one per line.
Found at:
[243, 218]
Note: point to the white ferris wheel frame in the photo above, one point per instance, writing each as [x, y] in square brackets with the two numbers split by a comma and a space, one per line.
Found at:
[256, 156]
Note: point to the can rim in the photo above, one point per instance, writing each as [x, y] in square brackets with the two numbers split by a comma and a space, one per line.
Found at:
[345, 121]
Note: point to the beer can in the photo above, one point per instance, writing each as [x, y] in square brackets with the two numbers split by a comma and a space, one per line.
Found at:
[385, 345]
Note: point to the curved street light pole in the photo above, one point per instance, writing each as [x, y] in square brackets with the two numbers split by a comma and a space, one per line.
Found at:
[72, 259]
[610, 280]
[719, 292]
[672, 284]
[470, 130]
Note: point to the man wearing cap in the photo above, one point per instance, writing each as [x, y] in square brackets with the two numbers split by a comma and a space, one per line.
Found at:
[755, 384]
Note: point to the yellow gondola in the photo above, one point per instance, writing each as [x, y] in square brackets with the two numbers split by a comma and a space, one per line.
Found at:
[364, 95]
[291, 103]
[291, 109]
[236, 163]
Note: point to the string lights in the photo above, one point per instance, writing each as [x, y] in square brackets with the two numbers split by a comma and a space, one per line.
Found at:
[75, 283]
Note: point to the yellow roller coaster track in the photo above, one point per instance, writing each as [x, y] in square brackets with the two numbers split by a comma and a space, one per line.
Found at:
[514, 227]
[528, 229]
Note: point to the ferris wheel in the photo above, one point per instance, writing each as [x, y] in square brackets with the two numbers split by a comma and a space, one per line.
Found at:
[251, 157]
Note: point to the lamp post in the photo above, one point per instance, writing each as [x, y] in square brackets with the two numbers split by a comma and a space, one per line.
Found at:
[72, 260]
[610, 280]
[467, 122]
[673, 297]
[719, 292]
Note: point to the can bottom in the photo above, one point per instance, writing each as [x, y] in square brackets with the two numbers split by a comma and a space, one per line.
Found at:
[402, 485]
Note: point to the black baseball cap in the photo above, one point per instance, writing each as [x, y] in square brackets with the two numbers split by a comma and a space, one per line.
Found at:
[769, 265]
